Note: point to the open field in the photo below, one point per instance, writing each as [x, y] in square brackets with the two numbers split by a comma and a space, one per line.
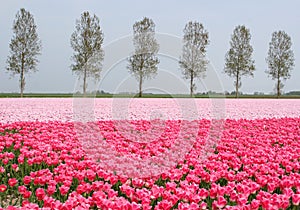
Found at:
[146, 95]
[122, 153]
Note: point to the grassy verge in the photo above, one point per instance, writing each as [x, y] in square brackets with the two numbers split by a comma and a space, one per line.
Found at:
[70, 95]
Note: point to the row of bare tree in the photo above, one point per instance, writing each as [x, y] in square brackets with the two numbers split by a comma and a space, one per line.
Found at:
[87, 43]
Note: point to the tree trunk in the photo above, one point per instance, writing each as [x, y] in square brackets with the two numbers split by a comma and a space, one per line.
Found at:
[140, 86]
[278, 87]
[84, 83]
[22, 83]
[22, 77]
[237, 86]
[191, 85]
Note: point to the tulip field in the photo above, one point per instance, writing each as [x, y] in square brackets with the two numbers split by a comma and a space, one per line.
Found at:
[149, 154]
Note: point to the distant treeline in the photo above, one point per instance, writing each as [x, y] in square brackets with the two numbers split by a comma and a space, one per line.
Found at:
[88, 53]
[103, 94]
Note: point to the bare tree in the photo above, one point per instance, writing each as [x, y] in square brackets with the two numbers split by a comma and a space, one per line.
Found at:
[86, 41]
[238, 58]
[24, 47]
[280, 59]
[143, 63]
[193, 61]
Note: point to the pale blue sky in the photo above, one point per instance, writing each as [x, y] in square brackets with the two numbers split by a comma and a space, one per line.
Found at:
[56, 21]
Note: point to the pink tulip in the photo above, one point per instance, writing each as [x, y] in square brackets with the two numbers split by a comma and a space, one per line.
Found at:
[40, 193]
[220, 202]
[12, 182]
[296, 199]
[3, 188]
[255, 204]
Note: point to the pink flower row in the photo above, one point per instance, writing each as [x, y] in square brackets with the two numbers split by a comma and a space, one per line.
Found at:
[69, 109]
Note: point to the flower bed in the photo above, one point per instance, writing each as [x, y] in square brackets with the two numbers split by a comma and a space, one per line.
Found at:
[255, 165]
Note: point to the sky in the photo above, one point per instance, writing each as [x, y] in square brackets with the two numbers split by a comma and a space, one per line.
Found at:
[55, 22]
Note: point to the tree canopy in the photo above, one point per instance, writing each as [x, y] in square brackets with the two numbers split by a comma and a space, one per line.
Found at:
[193, 61]
[143, 64]
[25, 46]
[238, 60]
[87, 41]
[280, 59]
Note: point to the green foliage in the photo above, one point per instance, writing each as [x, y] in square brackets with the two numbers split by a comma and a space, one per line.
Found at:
[116, 187]
[191, 167]
[155, 201]
[252, 196]
[161, 182]
[205, 185]
[209, 202]
[222, 182]
[184, 176]
[7, 131]
[229, 201]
